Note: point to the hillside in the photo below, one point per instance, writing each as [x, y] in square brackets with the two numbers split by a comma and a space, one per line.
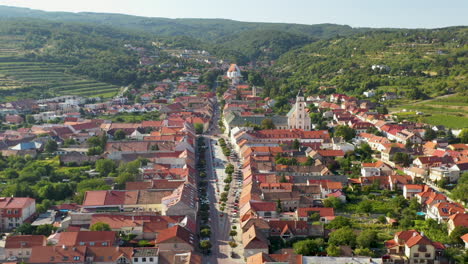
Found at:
[259, 45]
[40, 58]
[203, 29]
[416, 64]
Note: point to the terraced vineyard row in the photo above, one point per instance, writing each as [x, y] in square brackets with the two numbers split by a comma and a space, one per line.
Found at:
[50, 77]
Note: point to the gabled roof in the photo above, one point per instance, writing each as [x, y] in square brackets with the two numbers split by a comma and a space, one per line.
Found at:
[56, 254]
[75, 238]
[459, 219]
[465, 238]
[324, 212]
[25, 241]
[176, 234]
[109, 254]
[253, 239]
[15, 202]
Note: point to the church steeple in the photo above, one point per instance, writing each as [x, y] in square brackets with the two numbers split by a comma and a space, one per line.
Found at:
[298, 116]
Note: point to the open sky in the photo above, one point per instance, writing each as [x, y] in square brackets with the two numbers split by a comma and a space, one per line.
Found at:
[356, 13]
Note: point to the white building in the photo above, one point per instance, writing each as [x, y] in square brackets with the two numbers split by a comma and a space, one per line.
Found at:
[298, 116]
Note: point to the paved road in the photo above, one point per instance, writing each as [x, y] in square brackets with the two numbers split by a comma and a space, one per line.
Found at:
[220, 225]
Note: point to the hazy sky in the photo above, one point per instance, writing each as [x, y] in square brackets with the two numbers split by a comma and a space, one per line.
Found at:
[357, 13]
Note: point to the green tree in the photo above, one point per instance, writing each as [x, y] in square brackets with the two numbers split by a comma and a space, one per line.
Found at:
[267, 123]
[123, 178]
[340, 222]
[119, 134]
[343, 237]
[464, 135]
[365, 206]
[25, 229]
[367, 239]
[198, 128]
[105, 166]
[205, 245]
[346, 132]
[333, 250]
[100, 226]
[364, 252]
[296, 144]
[205, 232]
[456, 234]
[429, 134]
[333, 202]
[314, 217]
[45, 230]
[51, 146]
[232, 233]
[309, 247]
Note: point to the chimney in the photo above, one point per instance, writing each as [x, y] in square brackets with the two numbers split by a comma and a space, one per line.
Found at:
[415, 234]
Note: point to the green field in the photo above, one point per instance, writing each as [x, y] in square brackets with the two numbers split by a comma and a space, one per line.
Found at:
[450, 111]
[50, 77]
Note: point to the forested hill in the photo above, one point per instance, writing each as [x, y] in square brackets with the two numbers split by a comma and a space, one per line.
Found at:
[203, 29]
[433, 61]
[259, 45]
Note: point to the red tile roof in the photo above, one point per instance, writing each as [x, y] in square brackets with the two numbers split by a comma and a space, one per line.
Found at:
[100, 238]
[25, 241]
[55, 254]
[15, 202]
[176, 234]
[324, 212]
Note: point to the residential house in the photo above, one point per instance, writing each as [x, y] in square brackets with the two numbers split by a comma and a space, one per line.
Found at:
[254, 242]
[15, 210]
[410, 190]
[326, 214]
[378, 168]
[19, 247]
[455, 220]
[176, 238]
[443, 210]
[427, 162]
[437, 174]
[182, 201]
[412, 247]
[87, 238]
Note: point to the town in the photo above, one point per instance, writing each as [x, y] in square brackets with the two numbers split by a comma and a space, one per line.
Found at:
[184, 172]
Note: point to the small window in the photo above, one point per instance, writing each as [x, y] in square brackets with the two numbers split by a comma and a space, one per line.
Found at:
[91, 243]
[151, 259]
[427, 255]
[76, 258]
[416, 255]
[143, 260]
[135, 259]
[82, 243]
[104, 243]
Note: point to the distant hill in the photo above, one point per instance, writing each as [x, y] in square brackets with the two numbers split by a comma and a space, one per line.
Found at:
[433, 61]
[203, 29]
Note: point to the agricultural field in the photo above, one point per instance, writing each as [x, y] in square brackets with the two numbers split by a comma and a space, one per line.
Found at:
[51, 78]
[450, 111]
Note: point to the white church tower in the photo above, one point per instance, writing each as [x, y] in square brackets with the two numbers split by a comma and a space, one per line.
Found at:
[234, 74]
[298, 117]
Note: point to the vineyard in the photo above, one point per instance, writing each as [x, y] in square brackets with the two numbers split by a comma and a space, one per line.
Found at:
[51, 78]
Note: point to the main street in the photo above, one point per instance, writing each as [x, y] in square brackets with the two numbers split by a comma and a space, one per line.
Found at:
[220, 221]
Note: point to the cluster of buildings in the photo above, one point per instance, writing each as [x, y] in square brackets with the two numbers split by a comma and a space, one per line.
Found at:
[160, 207]
[286, 171]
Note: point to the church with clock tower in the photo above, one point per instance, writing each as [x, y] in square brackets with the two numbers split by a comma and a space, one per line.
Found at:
[298, 116]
